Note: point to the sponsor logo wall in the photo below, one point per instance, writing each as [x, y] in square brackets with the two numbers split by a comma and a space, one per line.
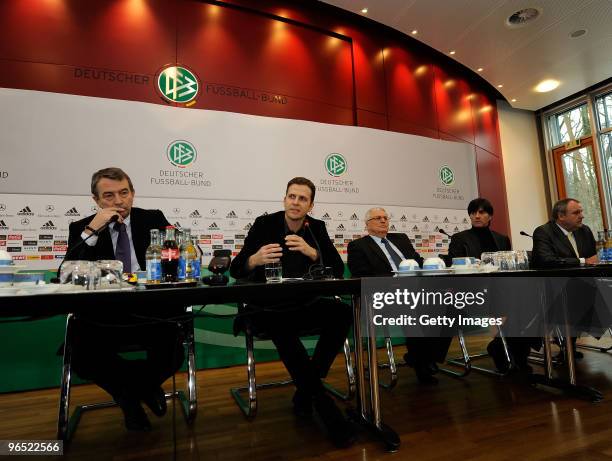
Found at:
[215, 172]
[41, 239]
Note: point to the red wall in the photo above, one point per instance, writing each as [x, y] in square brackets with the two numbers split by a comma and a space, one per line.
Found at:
[368, 75]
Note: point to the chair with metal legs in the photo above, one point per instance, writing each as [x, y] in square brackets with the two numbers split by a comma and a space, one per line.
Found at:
[465, 361]
[248, 406]
[67, 423]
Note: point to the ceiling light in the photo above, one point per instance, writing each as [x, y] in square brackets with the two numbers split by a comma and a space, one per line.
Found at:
[500, 86]
[452, 52]
[414, 32]
[480, 69]
[513, 100]
[364, 10]
[578, 33]
[546, 85]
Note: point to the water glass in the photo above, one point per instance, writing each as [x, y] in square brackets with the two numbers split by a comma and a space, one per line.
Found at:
[488, 259]
[274, 272]
[111, 271]
[522, 261]
[67, 268]
[86, 275]
[507, 261]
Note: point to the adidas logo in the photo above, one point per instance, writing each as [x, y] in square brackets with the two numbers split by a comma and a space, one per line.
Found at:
[456, 229]
[340, 227]
[464, 220]
[248, 227]
[177, 225]
[213, 226]
[446, 220]
[26, 212]
[48, 225]
[195, 214]
[392, 227]
[72, 212]
[354, 217]
[231, 214]
[3, 225]
[425, 219]
[403, 218]
[415, 228]
[326, 216]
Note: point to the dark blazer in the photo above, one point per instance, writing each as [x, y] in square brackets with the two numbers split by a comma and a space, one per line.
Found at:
[141, 222]
[271, 229]
[466, 243]
[366, 259]
[551, 248]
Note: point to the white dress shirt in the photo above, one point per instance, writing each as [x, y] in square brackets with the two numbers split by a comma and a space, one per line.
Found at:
[382, 246]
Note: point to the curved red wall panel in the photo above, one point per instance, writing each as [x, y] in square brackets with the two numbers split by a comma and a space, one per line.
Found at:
[302, 60]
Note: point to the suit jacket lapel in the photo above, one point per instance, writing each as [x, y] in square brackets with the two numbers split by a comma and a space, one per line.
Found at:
[562, 238]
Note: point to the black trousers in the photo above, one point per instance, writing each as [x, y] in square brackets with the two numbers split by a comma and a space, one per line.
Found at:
[331, 319]
[423, 351]
[96, 354]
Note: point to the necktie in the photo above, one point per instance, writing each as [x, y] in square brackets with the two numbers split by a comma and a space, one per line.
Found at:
[122, 252]
[572, 240]
[397, 259]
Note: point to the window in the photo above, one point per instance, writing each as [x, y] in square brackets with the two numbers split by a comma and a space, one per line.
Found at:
[604, 111]
[570, 125]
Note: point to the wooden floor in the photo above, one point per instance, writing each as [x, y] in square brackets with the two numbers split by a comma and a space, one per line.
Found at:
[476, 418]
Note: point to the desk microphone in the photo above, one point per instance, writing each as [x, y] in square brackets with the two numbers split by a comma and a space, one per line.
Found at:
[526, 234]
[442, 231]
[307, 226]
[113, 219]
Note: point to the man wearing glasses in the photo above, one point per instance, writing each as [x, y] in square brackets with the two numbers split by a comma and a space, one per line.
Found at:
[379, 254]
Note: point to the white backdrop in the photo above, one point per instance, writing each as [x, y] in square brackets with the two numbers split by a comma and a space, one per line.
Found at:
[216, 171]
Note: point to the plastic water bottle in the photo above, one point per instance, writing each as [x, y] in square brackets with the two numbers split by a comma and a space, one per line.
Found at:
[187, 259]
[153, 257]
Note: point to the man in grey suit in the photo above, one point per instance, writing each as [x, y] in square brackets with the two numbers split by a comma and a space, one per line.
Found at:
[378, 254]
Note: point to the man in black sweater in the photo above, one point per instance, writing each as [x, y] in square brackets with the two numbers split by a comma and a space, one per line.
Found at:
[302, 245]
[473, 242]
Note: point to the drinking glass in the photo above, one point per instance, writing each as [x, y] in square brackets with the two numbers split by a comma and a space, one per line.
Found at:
[111, 271]
[86, 275]
[67, 268]
[274, 272]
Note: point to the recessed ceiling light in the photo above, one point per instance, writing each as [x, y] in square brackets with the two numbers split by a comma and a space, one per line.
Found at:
[480, 69]
[578, 33]
[414, 32]
[547, 85]
[513, 100]
[500, 86]
[452, 52]
[364, 10]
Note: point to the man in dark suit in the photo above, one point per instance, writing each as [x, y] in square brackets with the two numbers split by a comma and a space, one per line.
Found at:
[302, 245]
[379, 254]
[564, 241]
[98, 336]
[473, 242]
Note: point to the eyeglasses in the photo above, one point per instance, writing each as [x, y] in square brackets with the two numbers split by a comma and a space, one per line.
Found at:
[379, 218]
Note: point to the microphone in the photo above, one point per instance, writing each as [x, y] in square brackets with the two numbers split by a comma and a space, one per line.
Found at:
[442, 231]
[526, 234]
[307, 226]
[113, 219]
